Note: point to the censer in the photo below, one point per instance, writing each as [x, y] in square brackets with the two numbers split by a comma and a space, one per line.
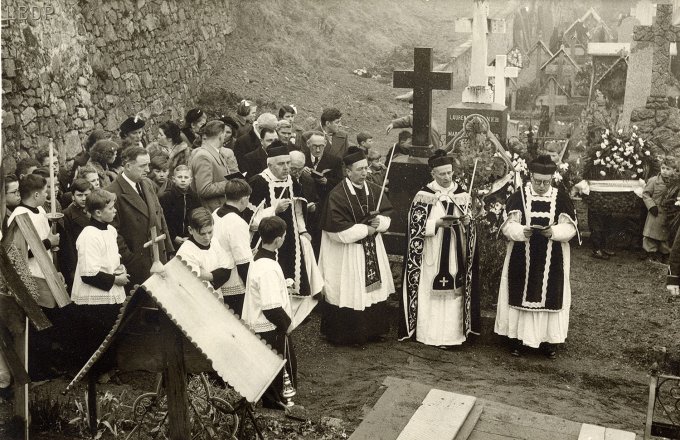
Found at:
[288, 388]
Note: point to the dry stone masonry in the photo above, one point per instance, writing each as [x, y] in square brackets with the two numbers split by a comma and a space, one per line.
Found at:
[69, 66]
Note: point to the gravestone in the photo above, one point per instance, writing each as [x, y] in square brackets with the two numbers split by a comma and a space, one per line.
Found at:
[478, 97]
[644, 11]
[625, 29]
[653, 117]
[407, 174]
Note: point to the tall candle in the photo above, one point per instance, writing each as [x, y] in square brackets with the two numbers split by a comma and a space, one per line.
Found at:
[53, 187]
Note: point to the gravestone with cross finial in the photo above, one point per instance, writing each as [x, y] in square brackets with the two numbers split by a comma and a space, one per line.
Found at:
[650, 111]
[407, 174]
[478, 97]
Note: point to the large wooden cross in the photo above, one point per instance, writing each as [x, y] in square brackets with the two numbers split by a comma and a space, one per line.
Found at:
[661, 34]
[157, 266]
[500, 72]
[422, 80]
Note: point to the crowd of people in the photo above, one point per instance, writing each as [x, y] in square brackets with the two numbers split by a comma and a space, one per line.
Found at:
[267, 211]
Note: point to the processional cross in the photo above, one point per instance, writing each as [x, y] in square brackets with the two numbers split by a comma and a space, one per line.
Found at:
[422, 80]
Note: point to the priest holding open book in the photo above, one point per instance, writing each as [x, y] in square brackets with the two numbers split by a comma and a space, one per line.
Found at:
[535, 294]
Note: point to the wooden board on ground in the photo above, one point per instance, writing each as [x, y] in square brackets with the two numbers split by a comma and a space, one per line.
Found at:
[441, 415]
[487, 420]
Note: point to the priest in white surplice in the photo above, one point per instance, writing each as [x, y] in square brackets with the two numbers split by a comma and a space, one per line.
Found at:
[535, 295]
[440, 302]
[275, 193]
[353, 259]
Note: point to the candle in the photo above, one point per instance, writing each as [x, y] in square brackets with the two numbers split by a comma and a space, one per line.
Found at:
[53, 187]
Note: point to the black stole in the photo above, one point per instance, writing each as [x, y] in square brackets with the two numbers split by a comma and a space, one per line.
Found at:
[372, 271]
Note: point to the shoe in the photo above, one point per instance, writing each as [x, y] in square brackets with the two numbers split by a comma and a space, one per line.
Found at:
[600, 255]
[515, 352]
[609, 253]
[551, 351]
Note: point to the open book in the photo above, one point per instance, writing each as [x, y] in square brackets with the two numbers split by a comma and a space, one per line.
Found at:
[320, 174]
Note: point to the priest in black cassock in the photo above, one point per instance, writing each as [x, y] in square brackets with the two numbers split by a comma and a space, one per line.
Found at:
[276, 193]
[353, 259]
[440, 296]
[534, 297]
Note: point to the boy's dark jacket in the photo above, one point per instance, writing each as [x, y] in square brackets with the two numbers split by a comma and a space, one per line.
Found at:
[177, 206]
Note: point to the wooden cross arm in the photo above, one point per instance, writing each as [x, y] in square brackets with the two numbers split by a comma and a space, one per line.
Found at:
[155, 240]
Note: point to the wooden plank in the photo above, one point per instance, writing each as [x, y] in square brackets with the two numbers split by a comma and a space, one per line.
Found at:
[651, 402]
[470, 422]
[14, 363]
[392, 411]
[239, 356]
[440, 416]
[52, 277]
[591, 432]
[18, 288]
[542, 426]
[176, 387]
[617, 434]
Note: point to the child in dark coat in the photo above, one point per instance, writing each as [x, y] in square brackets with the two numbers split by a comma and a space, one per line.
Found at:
[177, 203]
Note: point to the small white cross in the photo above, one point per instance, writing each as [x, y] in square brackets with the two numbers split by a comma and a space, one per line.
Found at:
[443, 282]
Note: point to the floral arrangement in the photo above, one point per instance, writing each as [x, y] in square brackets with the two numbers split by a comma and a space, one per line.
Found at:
[619, 156]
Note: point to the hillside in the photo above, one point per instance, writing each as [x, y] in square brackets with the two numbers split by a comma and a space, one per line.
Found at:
[303, 53]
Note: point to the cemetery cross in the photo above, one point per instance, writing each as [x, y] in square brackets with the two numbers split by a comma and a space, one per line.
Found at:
[660, 34]
[422, 80]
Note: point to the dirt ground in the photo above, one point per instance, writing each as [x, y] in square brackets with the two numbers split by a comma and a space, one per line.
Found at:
[620, 313]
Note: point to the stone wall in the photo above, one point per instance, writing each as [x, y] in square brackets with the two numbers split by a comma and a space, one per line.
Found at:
[71, 66]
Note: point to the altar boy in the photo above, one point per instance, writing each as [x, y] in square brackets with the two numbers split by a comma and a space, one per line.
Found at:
[266, 308]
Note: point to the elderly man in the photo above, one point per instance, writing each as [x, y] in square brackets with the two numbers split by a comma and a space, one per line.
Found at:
[439, 304]
[209, 167]
[251, 139]
[137, 210]
[325, 170]
[353, 259]
[275, 193]
[324, 167]
[535, 294]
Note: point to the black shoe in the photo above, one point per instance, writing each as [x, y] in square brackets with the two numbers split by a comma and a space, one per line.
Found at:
[551, 351]
[600, 255]
[515, 352]
[610, 253]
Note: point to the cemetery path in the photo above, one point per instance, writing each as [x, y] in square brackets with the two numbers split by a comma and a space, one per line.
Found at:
[620, 313]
